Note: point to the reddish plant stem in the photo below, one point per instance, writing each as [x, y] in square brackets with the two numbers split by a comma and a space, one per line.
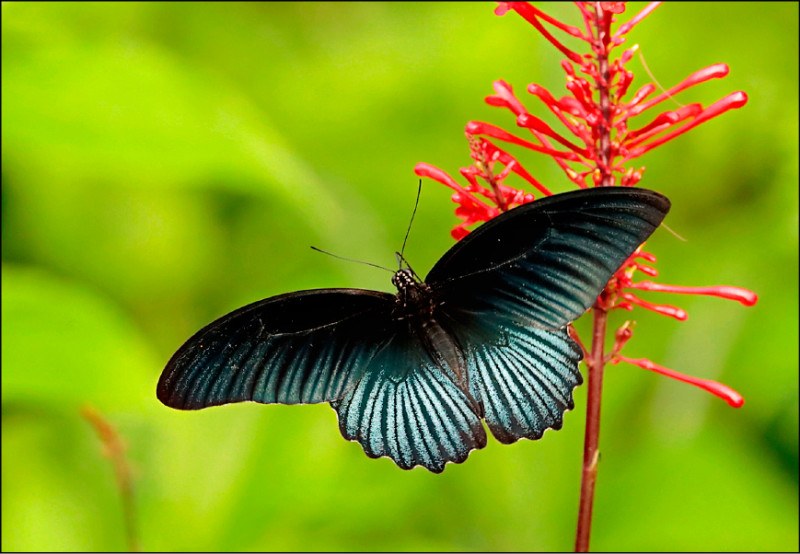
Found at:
[595, 363]
[596, 360]
[114, 449]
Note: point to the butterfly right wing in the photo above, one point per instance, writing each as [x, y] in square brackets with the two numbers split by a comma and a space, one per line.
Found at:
[302, 347]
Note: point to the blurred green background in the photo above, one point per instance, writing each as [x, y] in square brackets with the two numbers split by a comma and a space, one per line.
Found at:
[165, 163]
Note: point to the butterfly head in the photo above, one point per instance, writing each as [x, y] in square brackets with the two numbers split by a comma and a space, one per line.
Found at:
[413, 296]
[403, 279]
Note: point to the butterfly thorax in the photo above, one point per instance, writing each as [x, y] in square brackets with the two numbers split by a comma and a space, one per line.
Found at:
[414, 306]
[413, 298]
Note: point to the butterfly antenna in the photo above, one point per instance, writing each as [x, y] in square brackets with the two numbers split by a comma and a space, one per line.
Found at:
[352, 260]
[403, 249]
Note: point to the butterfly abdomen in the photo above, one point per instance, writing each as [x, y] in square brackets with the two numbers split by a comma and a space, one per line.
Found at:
[442, 348]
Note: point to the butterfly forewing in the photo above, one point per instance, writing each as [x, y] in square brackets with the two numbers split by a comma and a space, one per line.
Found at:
[301, 347]
[545, 263]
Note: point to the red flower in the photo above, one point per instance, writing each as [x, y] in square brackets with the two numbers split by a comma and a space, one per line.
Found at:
[597, 141]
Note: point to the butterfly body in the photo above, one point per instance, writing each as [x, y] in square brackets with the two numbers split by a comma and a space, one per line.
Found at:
[412, 375]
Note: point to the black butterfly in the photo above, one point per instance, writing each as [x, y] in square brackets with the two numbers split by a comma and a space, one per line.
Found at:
[411, 375]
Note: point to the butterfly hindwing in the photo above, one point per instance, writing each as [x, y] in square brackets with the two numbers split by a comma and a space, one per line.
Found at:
[527, 385]
[522, 376]
[409, 408]
[302, 347]
[545, 263]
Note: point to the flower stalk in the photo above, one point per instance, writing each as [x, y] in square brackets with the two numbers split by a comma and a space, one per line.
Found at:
[594, 149]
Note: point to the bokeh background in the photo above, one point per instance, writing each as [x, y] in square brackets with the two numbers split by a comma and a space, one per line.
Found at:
[165, 163]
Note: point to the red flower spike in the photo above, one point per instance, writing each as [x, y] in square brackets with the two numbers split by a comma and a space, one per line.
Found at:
[599, 138]
[729, 395]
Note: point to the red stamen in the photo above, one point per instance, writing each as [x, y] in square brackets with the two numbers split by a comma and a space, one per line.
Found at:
[734, 100]
[527, 12]
[646, 269]
[662, 121]
[716, 71]
[478, 128]
[511, 162]
[569, 29]
[640, 95]
[718, 389]
[626, 27]
[663, 309]
[505, 97]
[743, 296]
[535, 124]
[426, 170]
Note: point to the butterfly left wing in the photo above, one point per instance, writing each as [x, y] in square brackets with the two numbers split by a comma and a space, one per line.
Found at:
[302, 347]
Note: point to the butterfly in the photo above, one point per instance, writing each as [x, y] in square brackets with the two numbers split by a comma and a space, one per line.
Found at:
[412, 375]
